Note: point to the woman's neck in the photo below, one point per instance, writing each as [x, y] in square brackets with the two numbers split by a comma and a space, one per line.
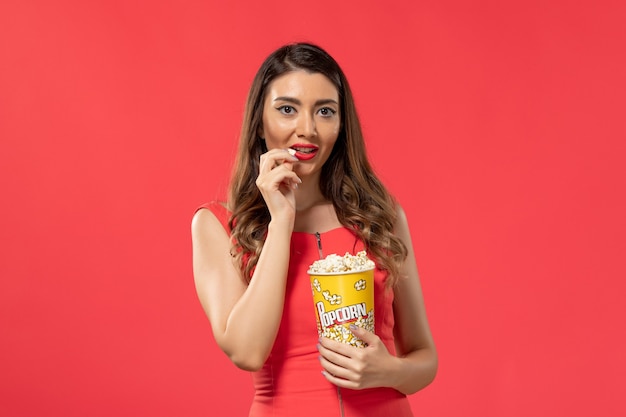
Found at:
[314, 213]
[308, 195]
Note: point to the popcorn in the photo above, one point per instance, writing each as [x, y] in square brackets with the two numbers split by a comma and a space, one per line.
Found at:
[347, 263]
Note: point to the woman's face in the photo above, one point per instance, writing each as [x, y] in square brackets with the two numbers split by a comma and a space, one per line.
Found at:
[301, 112]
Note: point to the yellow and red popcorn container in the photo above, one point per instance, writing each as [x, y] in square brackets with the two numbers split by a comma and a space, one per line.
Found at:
[343, 298]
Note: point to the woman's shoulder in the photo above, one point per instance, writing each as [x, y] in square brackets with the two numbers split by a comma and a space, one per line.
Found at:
[209, 212]
[401, 221]
[400, 213]
[215, 206]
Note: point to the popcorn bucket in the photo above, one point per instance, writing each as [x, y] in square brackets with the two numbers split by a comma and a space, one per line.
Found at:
[342, 299]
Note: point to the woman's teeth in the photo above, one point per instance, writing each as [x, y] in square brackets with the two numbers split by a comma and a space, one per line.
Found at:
[304, 150]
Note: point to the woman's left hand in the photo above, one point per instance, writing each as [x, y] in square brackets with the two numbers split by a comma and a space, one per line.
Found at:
[356, 368]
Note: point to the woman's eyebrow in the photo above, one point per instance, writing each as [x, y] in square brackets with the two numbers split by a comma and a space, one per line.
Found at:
[326, 101]
[298, 102]
[288, 99]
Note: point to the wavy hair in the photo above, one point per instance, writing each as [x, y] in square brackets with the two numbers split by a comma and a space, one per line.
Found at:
[361, 201]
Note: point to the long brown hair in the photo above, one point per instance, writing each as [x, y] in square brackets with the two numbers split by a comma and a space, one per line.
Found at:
[360, 199]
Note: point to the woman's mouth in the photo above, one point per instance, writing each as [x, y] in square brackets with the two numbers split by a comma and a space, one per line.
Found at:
[304, 152]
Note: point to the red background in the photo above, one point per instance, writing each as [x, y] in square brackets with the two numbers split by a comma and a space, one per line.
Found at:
[498, 125]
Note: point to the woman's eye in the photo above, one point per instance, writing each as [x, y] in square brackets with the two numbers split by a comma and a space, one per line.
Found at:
[286, 109]
[327, 111]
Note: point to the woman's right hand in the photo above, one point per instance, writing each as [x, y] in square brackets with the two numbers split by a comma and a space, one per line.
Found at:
[277, 182]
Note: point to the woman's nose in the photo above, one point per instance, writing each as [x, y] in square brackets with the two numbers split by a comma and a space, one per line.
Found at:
[306, 126]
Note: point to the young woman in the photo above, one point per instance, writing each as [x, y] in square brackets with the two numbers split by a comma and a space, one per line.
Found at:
[302, 180]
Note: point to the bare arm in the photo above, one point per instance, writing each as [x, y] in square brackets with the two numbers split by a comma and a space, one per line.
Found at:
[244, 323]
[245, 317]
[416, 351]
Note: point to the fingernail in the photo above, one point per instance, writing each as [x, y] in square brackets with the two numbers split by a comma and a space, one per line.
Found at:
[352, 327]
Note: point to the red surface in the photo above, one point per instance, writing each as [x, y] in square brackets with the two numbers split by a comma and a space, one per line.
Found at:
[500, 128]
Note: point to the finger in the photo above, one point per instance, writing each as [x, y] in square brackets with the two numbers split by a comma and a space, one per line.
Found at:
[337, 355]
[273, 158]
[365, 335]
[340, 382]
[336, 370]
[275, 180]
[281, 174]
[338, 347]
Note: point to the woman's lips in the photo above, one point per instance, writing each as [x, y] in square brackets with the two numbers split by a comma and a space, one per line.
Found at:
[305, 156]
[304, 152]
